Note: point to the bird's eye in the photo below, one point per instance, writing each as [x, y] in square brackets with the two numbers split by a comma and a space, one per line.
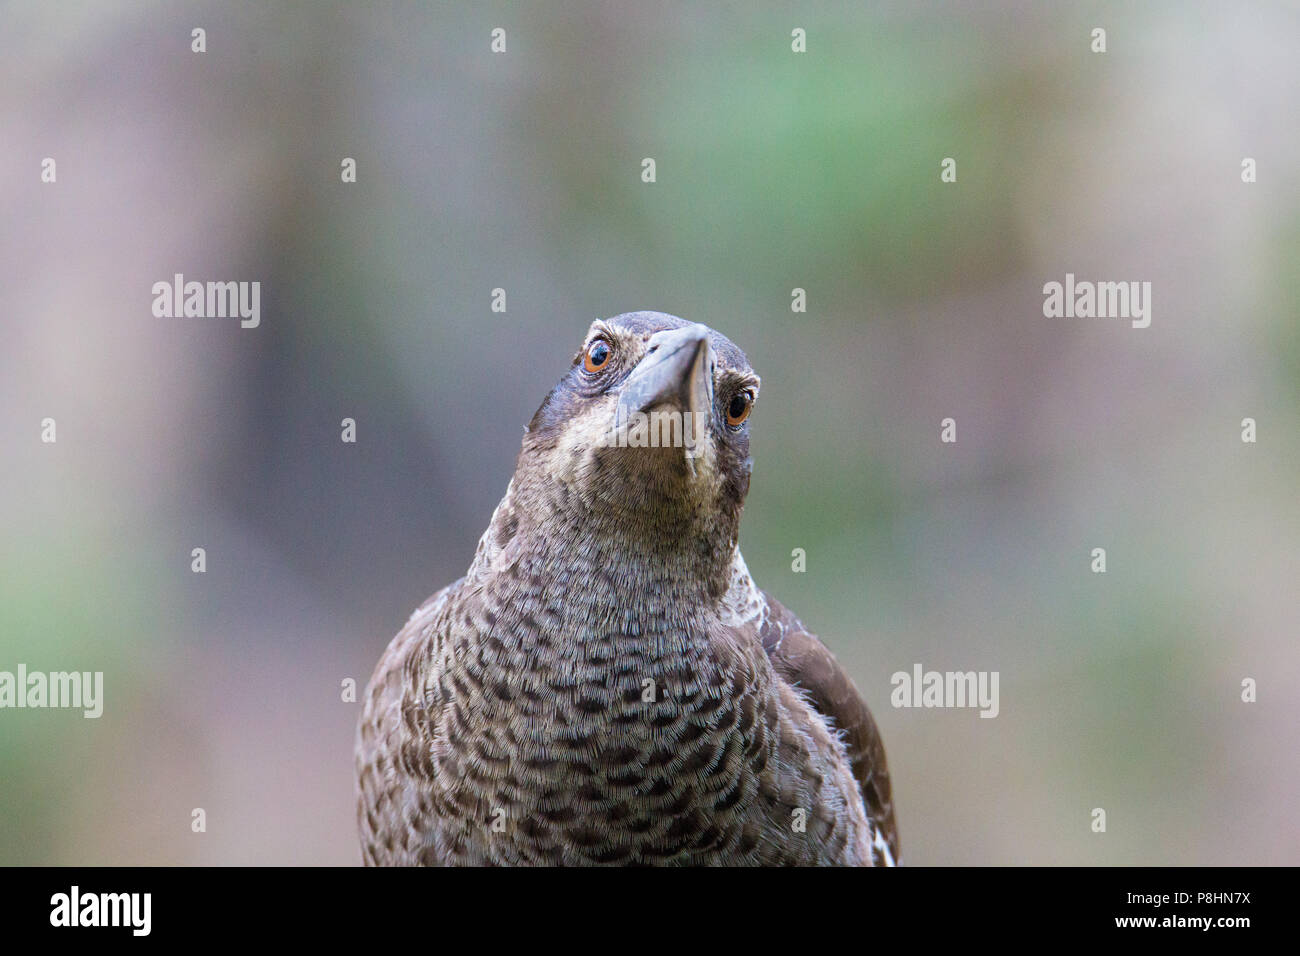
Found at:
[598, 356]
[738, 410]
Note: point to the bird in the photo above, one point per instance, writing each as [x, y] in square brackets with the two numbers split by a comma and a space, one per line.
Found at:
[607, 685]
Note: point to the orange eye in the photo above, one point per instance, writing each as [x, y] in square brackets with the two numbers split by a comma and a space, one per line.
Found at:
[741, 405]
[598, 355]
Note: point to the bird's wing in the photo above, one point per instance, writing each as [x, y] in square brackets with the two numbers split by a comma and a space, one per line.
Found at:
[803, 660]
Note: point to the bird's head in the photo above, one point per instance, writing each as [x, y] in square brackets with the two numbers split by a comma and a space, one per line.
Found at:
[650, 424]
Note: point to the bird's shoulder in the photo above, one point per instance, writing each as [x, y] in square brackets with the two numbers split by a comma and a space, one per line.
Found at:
[386, 682]
[799, 657]
[390, 764]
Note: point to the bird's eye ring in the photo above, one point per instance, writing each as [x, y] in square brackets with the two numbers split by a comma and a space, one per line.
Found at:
[739, 408]
[598, 355]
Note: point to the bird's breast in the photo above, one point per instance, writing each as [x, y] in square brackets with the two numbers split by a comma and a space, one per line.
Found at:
[608, 746]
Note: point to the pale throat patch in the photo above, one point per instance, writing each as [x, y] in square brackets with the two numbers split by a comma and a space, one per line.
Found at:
[599, 428]
[744, 602]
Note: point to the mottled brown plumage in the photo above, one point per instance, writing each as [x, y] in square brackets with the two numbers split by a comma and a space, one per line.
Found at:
[607, 685]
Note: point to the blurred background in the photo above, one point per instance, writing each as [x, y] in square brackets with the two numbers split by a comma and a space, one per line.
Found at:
[775, 170]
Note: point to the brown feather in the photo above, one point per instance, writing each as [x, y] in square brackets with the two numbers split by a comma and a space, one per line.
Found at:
[803, 660]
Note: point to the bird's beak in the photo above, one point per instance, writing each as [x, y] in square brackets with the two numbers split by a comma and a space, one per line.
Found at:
[677, 372]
